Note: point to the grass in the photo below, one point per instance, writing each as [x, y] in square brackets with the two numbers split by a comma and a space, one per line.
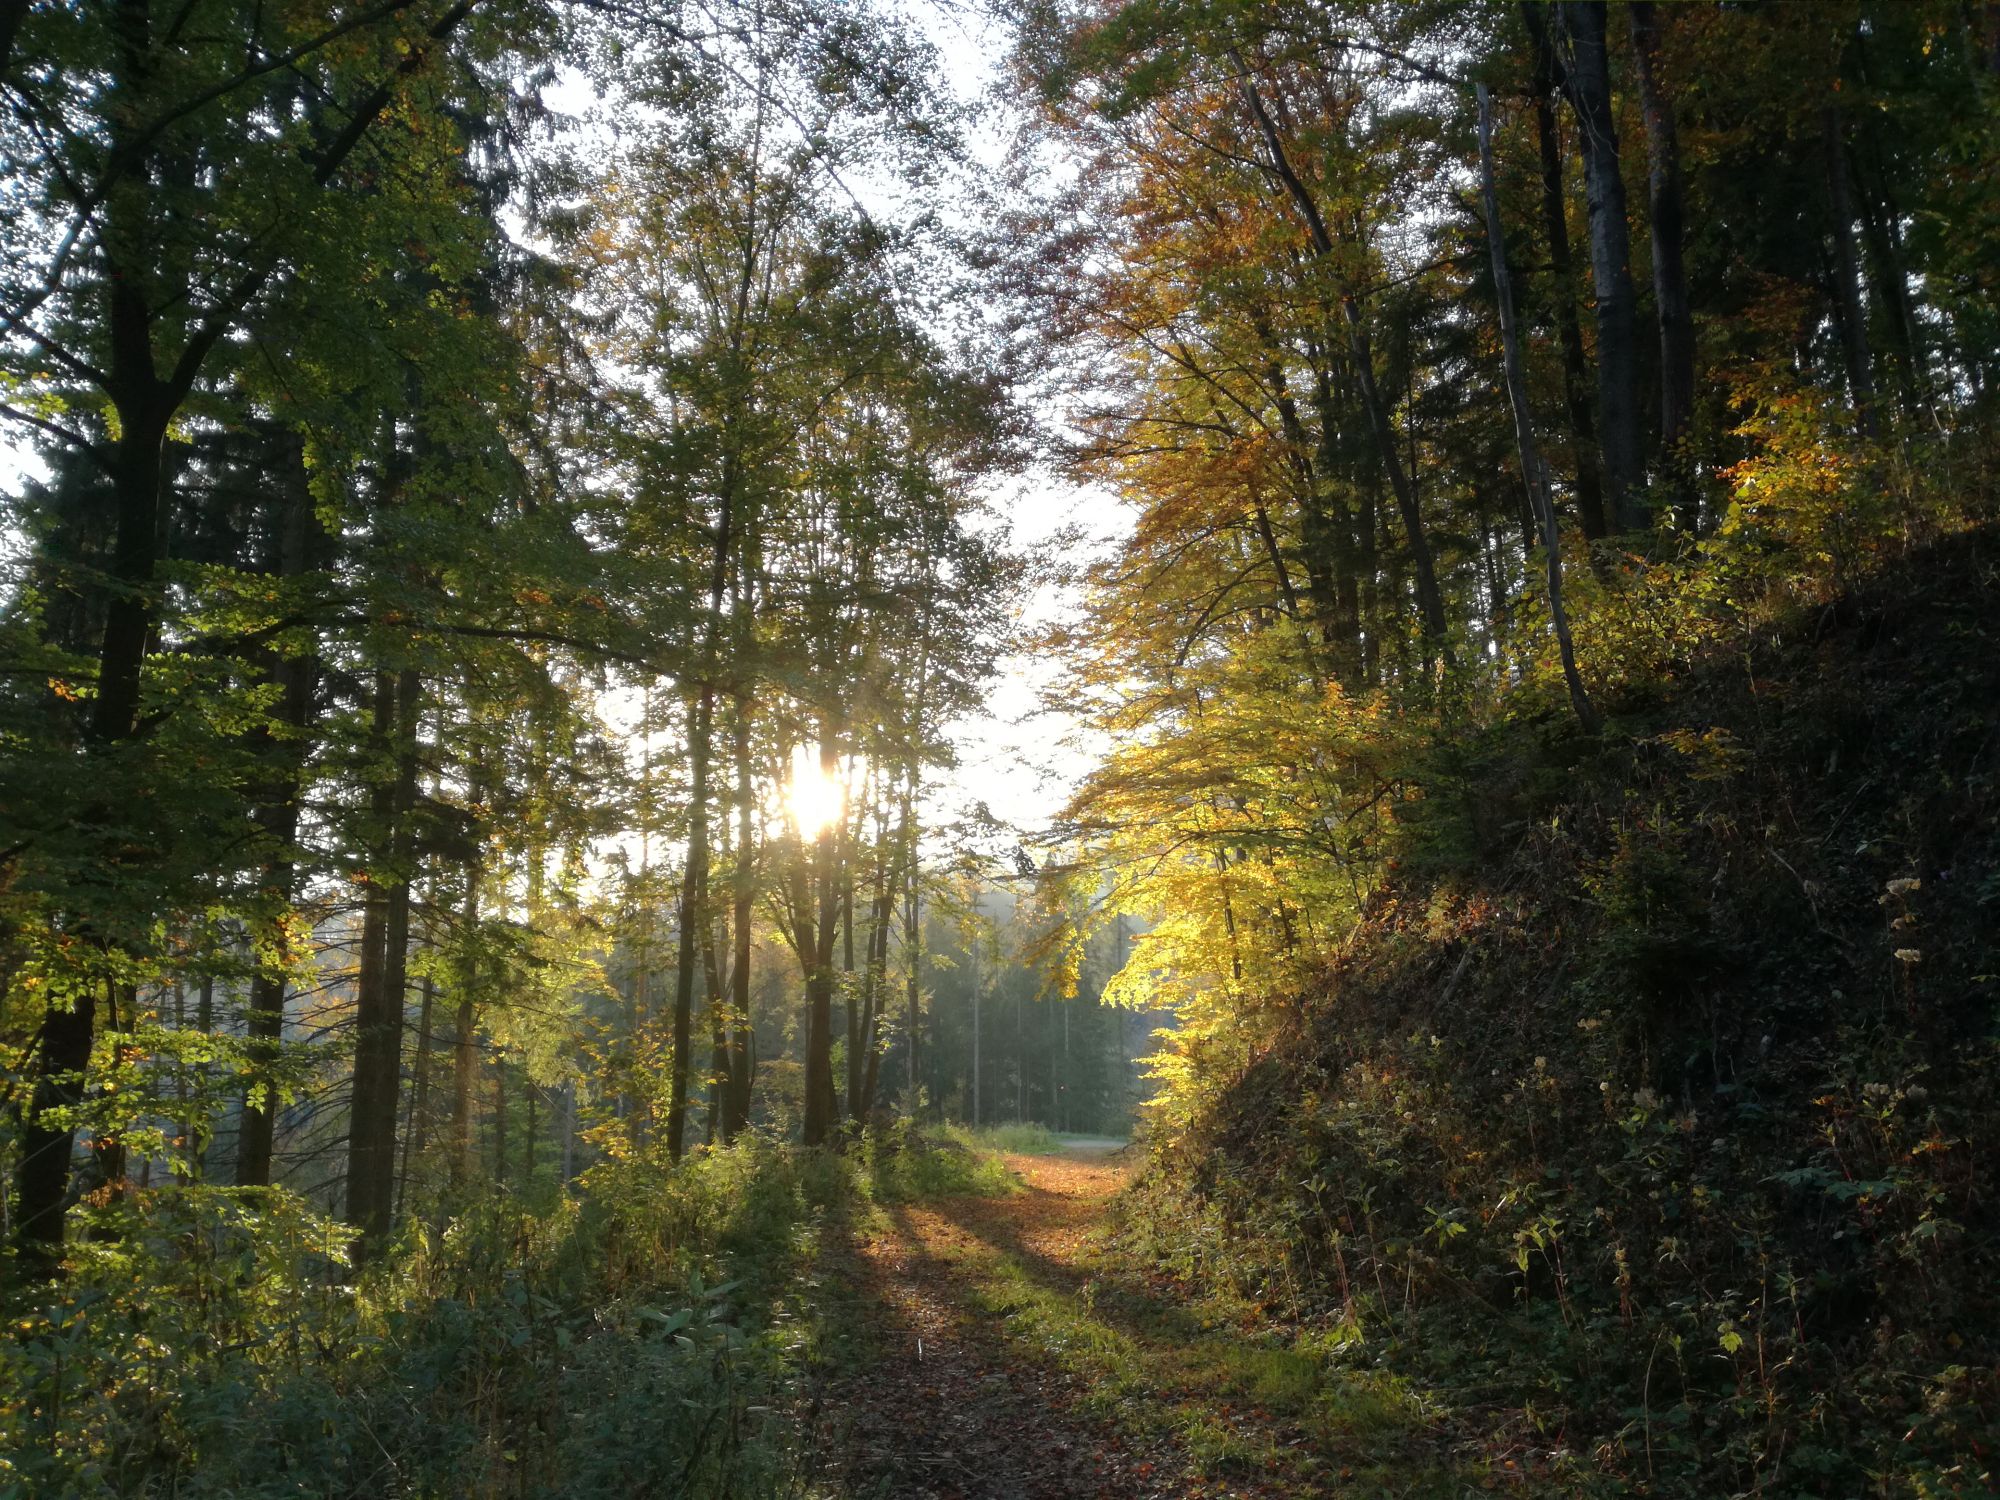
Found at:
[1228, 1394]
[1016, 1140]
[1204, 1374]
[905, 1165]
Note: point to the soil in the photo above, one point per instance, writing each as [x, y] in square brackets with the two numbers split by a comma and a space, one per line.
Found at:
[953, 1403]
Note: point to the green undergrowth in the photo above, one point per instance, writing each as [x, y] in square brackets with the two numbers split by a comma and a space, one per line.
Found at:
[902, 1164]
[652, 1331]
[1021, 1140]
[1647, 1124]
[1226, 1390]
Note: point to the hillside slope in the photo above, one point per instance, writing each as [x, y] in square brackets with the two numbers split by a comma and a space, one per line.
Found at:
[1651, 1114]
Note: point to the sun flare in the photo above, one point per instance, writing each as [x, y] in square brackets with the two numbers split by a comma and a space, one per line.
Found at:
[816, 797]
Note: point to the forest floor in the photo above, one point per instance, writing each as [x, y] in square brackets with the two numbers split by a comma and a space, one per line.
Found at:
[1002, 1347]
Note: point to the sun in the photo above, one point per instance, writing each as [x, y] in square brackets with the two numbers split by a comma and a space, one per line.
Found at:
[816, 798]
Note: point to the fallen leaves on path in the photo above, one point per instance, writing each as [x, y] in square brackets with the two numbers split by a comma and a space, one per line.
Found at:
[947, 1408]
[951, 1407]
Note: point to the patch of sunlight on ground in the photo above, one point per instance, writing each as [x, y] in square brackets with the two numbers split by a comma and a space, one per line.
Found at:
[1236, 1401]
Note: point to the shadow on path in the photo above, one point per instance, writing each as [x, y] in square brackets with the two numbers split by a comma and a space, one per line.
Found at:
[944, 1404]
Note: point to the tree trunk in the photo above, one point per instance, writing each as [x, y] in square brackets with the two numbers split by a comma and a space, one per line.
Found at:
[528, 1138]
[1555, 222]
[1670, 287]
[881, 911]
[694, 888]
[716, 995]
[464, 1069]
[296, 678]
[736, 1111]
[414, 1130]
[1320, 541]
[851, 1017]
[913, 940]
[1333, 526]
[820, 1105]
[465, 1045]
[62, 1061]
[1880, 226]
[499, 1119]
[975, 1026]
[1430, 601]
[1851, 308]
[42, 1180]
[569, 1131]
[379, 995]
[1589, 82]
[1524, 427]
[816, 940]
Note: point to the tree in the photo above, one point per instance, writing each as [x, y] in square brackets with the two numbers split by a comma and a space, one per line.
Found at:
[1587, 76]
[150, 234]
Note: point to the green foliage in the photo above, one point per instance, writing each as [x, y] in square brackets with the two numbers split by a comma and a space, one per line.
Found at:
[1648, 1109]
[1027, 1140]
[219, 1352]
[901, 1164]
[650, 1332]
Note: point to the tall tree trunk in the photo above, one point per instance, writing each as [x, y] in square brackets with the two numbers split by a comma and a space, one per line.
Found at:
[465, 1043]
[694, 889]
[107, 1148]
[415, 1127]
[1670, 286]
[1334, 527]
[716, 993]
[881, 912]
[1851, 308]
[850, 1005]
[464, 1073]
[62, 1061]
[1320, 540]
[1368, 567]
[1569, 334]
[816, 935]
[569, 1131]
[204, 1022]
[499, 1119]
[1882, 223]
[913, 941]
[1532, 470]
[1589, 81]
[1880, 226]
[816, 939]
[736, 1113]
[701, 722]
[975, 1024]
[296, 678]
[1430, 600]
[530, 1093]
[379, 995]
[42, 1180]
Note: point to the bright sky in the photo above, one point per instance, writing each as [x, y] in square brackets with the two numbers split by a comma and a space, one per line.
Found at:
[1018, 757]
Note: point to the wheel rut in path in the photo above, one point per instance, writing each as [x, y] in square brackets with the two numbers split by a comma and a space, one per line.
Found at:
[977, 1313]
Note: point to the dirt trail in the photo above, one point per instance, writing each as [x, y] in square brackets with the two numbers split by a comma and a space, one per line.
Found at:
[946, 1407]
[1005, 1362]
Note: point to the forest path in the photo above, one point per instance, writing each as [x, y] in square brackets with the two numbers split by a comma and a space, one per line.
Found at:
[1008, 1350]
